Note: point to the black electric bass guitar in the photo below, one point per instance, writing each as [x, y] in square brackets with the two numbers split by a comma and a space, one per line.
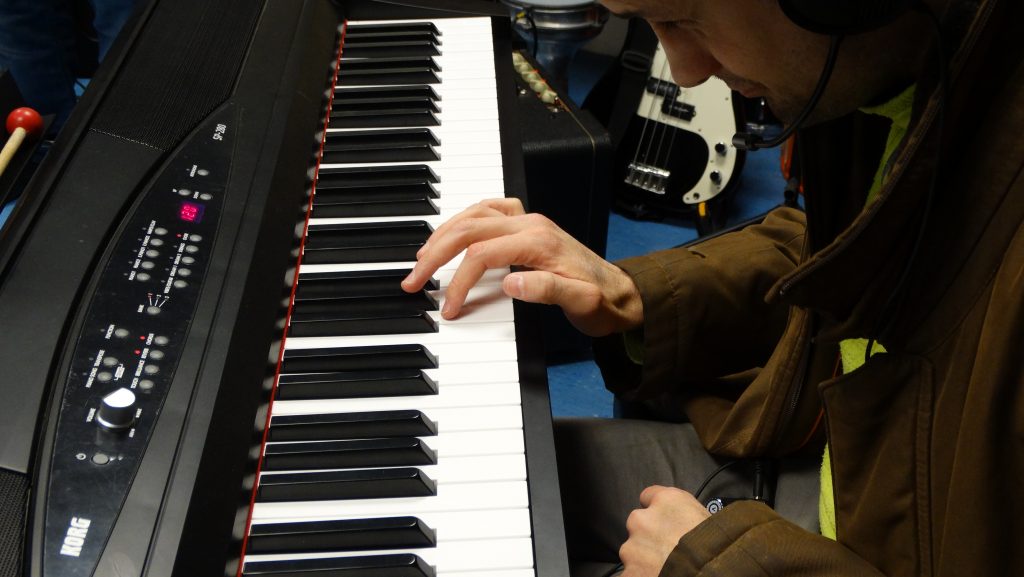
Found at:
[676, 155]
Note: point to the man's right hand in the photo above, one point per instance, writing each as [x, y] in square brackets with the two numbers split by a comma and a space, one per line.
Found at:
[597, 296]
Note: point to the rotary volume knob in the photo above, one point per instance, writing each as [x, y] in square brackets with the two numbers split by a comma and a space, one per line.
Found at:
[117, 410]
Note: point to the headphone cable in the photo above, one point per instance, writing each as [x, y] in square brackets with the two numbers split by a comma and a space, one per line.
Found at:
[751, 141]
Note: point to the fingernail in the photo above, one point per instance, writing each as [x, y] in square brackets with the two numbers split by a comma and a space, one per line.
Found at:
[515, 286]
[446, 310]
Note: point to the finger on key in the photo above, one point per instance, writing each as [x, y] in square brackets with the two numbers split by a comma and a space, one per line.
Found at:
[449, 243]
[478, 210]
[487, 207]
[508, 206]
[498, 252]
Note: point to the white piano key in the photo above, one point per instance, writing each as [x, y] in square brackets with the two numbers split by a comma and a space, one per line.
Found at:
[484, 85]
[489, 187]
[462, 525]
[454, 333]
[463, 497]
[453, 142]
[483, 554]
[434, 220]
[474, 373]
[466, 396]
[490, 573]
[466, 63]
[451, 127]
[464, 444]
[480, 189]
[443, 168]
[484, 304]
[450, 175]
[466, 145]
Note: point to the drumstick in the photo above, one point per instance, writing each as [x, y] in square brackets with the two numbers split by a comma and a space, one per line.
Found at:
[21, 122]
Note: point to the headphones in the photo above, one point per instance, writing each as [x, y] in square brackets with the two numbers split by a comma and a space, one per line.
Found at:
[834, 18]
[843, 17]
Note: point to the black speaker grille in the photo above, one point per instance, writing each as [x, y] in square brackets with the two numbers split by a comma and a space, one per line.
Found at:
[179, 73]
[13, 491]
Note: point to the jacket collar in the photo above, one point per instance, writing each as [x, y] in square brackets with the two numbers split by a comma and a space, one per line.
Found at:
[853, 280]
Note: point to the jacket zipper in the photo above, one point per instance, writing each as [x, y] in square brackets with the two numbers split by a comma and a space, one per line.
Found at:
[796, 386]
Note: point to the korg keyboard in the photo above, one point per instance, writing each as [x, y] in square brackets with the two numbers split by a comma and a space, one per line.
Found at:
[209, 363]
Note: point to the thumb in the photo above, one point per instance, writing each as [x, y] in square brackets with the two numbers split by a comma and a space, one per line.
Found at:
[550, 289]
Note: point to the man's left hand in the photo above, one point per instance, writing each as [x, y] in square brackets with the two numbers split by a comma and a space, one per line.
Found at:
[666, 514]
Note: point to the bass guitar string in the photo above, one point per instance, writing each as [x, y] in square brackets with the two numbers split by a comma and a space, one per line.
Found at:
[651, 113]
[647, 121]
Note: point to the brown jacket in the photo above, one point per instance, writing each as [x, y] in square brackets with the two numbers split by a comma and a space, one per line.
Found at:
[927, 440]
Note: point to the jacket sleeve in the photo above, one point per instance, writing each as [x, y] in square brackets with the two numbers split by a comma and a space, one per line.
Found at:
[705, 315]
[747, 539]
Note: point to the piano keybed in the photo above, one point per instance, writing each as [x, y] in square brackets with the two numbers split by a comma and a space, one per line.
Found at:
[395, 443]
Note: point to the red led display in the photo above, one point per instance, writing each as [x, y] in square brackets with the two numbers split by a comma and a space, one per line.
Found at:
[191, 212]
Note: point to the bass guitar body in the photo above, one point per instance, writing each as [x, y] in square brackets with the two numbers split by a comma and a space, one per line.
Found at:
[676, 156]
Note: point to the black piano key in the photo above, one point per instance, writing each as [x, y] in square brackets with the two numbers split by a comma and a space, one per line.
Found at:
[401, 145]
[404, 565]
[341, 535]
[383, 118]
[347, 94]
[393, 28]
[332, 191]
[346, 325]
[365, 242]
[353, 104]
[339, 426]
[375, 176]
[355, 454]
[363, 283]
[358, 48]
[355, 384]
[410, 356]
[386, 76]
[337, 485]
[367, 35]
[375, 208]
[388, 64]
[363, 305]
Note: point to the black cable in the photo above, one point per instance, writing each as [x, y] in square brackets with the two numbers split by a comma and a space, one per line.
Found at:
[704, 485]
[750, 141]
[897, 296]
[533, 29]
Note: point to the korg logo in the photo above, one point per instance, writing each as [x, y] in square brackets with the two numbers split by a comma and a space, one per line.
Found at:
[75, 538]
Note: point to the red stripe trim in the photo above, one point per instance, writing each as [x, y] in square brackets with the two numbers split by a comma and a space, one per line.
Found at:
[291, 304]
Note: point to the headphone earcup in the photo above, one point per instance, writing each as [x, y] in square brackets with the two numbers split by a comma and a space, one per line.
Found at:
[843, 17]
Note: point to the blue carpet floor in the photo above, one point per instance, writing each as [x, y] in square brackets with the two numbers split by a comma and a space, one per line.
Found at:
[577, 388]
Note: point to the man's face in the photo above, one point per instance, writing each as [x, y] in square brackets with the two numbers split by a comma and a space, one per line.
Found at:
[759, 52]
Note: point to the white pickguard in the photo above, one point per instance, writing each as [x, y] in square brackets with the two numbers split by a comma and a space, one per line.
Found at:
[714, 121]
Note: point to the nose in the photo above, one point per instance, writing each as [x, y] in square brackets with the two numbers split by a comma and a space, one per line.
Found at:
[688, 57]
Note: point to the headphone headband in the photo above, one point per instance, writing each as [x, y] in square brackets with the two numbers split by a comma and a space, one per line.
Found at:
[842, 17]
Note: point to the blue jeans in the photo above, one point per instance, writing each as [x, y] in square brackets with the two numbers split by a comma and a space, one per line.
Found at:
[36, 38]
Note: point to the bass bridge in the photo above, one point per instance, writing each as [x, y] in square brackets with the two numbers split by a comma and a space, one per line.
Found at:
[647, 177]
